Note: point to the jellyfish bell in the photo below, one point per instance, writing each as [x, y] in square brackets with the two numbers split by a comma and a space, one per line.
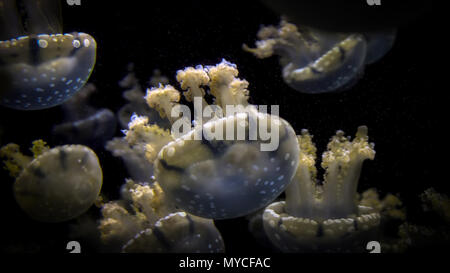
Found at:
[202, 177]
[56, 184]
[379, 43]
[83, 123]
[178, 233]
[333, 67]
[314, 61]
[40, 67]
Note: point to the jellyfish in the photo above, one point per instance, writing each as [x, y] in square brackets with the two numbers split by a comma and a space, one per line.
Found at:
[85, 124]
[135, 96]
[56, 185]
[410, 235]
[436, 202]
[316, 61]
[144, 221]
[139, 148]
[224, 166]
[40, 67]
[325, 217]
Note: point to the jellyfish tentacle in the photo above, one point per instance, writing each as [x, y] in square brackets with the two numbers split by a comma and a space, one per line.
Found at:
[43, 16]
[10, 21]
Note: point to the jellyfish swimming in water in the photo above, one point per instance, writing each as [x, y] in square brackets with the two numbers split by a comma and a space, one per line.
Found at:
[144, 221]
[56, 184]
[40, 67]
[209, 170]
[327, 216]
[317, 61]
[134, 94]
[83, 123]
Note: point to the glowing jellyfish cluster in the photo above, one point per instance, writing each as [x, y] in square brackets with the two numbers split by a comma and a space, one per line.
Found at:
[324, 217]
[205, 170]
[40, 67]
[144, 221]
[57, 184]
[316, 61]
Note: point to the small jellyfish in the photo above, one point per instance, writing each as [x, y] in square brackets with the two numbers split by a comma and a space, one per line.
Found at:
[325, 217]
[436, 202]
[144, 221]
[85, 124]
[39, 66]
[140, 147]
[56, 185]
[224, 166]
[178, 233]
[135, 96]
[317, 61]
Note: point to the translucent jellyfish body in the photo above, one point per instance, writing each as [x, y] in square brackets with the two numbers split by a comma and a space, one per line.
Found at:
[39, 66]
[134, 94]
[179, 233]
[85, 124]
[226, 179]
[144, 221]
[225, 166]
[324, 217]
[316, 61]
[139, 148]
[58, 184]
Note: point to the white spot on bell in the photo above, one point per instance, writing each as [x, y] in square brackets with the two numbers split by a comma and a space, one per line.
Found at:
[76, 43]
[43, 43]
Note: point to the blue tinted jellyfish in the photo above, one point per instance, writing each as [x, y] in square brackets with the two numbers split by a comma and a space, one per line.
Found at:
[56, 185]
[325, 217]
[205, 170]
[40, 67]
[378, 44]
[85, 124]
[145, 221]
[316, 61]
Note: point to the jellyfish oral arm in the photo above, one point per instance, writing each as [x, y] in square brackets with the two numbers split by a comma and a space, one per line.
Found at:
[342, 163]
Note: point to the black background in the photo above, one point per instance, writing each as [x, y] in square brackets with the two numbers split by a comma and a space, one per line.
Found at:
[396, 99]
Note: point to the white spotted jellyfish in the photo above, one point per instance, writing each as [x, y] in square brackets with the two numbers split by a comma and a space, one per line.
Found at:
[40, 67]
[56, 185]
[211, 170]
[316, 61]
[144, 221]
[326, 216]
